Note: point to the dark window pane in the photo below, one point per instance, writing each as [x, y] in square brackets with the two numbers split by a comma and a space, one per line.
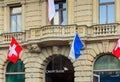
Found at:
[109, 76]
[15, 78]
[107, 62]
[17, 67]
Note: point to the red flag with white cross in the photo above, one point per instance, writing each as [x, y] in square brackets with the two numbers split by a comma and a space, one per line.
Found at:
[116, 49]
[14, 51]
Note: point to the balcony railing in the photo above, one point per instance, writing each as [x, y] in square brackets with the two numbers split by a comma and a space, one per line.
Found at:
[6, 37]
[47, 31]
[61, 31]
[106, 29]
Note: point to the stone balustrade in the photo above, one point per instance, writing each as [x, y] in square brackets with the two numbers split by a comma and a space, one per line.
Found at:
[106, 29]
[6, 37]
[61, 31]
[48, 31]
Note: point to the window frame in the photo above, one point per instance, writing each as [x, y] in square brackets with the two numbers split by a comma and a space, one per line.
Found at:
[113, 70]
[7, 15]
[96, 12]
[13, 73]
[62, 9]
[106, 4]
[16, 15]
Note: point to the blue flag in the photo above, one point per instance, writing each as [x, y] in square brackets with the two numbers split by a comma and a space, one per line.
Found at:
[77, 45]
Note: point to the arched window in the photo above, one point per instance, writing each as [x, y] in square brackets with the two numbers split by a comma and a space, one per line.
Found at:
[107, 62]
[15, 72]
[108, 68]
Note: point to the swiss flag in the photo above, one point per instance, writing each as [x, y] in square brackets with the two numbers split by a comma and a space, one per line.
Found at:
[116, 49]
[14, 51]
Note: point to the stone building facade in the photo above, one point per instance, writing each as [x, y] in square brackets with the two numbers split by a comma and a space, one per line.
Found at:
[46, 45]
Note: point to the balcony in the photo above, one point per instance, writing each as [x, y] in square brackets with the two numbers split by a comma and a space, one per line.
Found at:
[63, 34]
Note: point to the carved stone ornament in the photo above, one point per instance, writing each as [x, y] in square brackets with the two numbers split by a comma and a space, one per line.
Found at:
[34, 48]
[55, 50]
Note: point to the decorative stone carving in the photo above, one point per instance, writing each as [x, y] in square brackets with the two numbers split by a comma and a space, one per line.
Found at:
[34, 48]
[55, 49]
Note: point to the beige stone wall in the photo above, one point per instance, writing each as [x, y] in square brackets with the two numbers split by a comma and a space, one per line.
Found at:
[1, 17]
[83, 12]
[36, 63]
[70, 11]
[33, 14]
[84, 65]
[3, 63]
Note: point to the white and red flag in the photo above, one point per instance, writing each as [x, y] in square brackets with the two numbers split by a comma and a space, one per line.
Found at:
[14, 51]
[116, 49]
[51, 9]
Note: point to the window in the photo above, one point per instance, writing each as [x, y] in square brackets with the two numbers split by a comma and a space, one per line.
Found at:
[107, 67]
[60, 16]
[15, 72]
[107, 11]
[16, 19]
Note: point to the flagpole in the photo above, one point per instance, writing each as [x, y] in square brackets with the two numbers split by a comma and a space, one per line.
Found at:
[76, 29]
[78, 59]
